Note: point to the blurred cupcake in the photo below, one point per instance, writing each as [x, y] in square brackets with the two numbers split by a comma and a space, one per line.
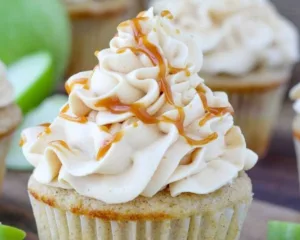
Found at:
[93, 25]
[295, 95]
[143, 149]
[10, 117]
[249, 52]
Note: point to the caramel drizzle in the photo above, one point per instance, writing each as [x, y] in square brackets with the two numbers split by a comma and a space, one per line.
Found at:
[179, 123]
[46, 131]
[107, 144]
[22, 141]
[173, 70]
[45, 124]
[167, 14]
[114, 105]
[152, 52]
[211, 112]
[61, 143]
[79, 81]
[63, 114]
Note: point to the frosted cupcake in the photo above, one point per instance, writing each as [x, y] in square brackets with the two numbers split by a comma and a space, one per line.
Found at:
[93, 25]
[295, 95]
[10, 117]
[143, 149]
[249, 52]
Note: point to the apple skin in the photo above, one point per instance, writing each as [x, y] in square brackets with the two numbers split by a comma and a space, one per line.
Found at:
[37, 73]
[7, 232]
[35, 25]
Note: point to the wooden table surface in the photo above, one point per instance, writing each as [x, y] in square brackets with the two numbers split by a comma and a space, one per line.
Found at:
[275, 181]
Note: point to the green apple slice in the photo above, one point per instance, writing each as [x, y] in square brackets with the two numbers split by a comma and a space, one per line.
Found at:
[46, 112]
[283, 231]
[30, 26]
[32, 79]
[7, 232]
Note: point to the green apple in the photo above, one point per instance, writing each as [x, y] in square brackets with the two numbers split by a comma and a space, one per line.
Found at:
[45, 112]
[34, 25]
[283, 231]
[32, 80]
[11, 233]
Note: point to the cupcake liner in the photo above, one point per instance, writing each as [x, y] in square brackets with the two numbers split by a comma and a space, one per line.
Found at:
[4, 146]
[54, 224]
[297, 148]
[256, 112]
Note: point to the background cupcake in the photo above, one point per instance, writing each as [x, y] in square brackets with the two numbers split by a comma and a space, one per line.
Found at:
[10, 117]
[93, 25]
[249, 52]
[295, 95]
[143, 148]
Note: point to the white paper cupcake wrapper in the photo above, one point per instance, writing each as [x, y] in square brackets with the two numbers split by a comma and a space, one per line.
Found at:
[297, 148]
[256, 112]
[4, 145]
[54, 224]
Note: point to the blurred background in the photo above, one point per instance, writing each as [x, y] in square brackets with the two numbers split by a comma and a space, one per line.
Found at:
[45, 42]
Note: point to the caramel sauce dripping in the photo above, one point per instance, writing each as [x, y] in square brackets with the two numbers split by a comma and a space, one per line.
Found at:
[107, 144]
[81, 81]
[104, 129]
[173, 70]
[152, 52]
[63, 114]
[23, 141]
[45, 124]
[65, 108]
[114, 105]
[179, 125]
[60, 142]
[46, 131]
[167, 14]
[211, 112]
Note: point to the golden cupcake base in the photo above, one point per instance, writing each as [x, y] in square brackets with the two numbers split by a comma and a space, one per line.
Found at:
[256, 100]
[63, 214]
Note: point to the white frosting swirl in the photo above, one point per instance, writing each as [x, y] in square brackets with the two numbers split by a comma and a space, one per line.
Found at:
[6, 90]
[248, 32]
[114, 154]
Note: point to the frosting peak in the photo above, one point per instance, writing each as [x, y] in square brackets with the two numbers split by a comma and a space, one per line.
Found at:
[6, 90]
[250, 32]
[141, 121]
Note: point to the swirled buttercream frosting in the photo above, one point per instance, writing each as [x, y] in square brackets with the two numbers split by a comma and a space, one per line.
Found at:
[142, 121]
[237, 36]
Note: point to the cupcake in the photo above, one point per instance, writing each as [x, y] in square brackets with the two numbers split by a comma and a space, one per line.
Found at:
[10, 117]
[93, 25]
[249, 52]
[295, 95]
[143, 149]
